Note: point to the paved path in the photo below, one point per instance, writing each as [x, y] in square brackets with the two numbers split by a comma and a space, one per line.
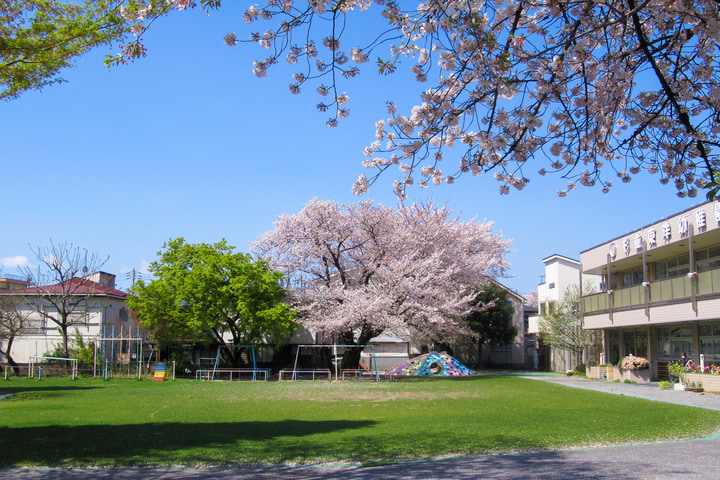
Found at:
[697, 459]
[648, 391]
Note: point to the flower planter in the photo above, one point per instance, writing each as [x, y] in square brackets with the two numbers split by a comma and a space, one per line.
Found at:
[709, 383]
[611, 371]
[596, 372]
[637, 376]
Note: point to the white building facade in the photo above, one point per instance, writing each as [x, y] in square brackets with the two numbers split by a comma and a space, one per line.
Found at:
[102, 312]
[561, 273]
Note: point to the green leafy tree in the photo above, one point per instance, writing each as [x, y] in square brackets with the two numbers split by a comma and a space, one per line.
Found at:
[561, 323]
[84, 351]
[79, 349]
[39, 38]
[493, 325]
[207, 292]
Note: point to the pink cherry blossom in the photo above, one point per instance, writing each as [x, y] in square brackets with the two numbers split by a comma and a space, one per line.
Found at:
[362, 269]
[603, 84]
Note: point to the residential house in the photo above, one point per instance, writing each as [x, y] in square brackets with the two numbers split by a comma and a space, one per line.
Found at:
[101, 312]
[661, 290]
[12, 282]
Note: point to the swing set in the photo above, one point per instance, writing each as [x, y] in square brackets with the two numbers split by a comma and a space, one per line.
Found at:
[314, 373]
[218, 371]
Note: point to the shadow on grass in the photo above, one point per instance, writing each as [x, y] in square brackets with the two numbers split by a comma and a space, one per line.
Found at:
[38, 391]
[171, 443]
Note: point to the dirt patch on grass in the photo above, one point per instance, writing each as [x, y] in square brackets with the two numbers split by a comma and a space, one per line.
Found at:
[370, 396]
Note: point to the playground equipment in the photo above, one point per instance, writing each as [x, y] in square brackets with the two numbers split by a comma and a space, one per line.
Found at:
[119, 353]
[34, 361]
[297, 373]
[160, 370]
[430, 364]
[218, 370]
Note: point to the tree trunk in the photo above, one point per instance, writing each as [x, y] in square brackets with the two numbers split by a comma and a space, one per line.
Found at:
[11, 361]
[479, 353]
[351, 357]
[66, 342]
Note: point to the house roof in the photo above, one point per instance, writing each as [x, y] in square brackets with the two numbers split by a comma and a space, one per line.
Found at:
[74, 286]
[510, 291]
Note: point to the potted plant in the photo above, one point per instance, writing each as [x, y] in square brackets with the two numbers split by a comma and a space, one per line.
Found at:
[635, 369]
[708, 378]
[676, 371]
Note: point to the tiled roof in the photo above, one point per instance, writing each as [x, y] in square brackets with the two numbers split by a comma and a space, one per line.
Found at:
[74, 286]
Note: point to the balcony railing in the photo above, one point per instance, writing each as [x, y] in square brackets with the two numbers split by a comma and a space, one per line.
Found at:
[671, 290]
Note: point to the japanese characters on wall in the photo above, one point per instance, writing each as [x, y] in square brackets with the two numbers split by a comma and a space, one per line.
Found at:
[667, 231]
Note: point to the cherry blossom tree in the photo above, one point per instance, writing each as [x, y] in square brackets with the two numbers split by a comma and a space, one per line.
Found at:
[363, 269]
[595, 90]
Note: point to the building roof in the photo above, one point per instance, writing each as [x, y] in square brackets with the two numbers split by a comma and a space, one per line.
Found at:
[510, 291]
[559, 257]
[13, 280]
[74, 286]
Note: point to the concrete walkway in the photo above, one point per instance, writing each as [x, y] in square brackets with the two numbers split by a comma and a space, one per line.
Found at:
[697, 459]
[649, 391]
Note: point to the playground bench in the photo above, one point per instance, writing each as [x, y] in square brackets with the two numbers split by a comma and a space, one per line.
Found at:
[294, 373]
[209, 374]
[359, 374]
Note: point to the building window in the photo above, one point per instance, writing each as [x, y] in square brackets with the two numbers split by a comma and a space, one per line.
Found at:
[710, 342]
[707, 259]
[673, 341]
[672, 267]
[612, 283]
[632, 277]
[635, 342]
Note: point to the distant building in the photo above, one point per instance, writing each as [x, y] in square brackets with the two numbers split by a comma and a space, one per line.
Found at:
[12, 282]
[560, 273]
[513, 355]
[102, 312]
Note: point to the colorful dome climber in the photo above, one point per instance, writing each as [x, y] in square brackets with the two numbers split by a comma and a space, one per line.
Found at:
[431, 364]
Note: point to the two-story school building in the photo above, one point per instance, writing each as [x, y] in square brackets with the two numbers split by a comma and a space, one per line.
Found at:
[660, 290]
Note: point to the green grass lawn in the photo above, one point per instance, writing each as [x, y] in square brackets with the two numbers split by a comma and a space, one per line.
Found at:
[59, 422]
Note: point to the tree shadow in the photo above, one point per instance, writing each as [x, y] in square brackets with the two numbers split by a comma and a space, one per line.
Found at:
[169, 443]
[41, 390]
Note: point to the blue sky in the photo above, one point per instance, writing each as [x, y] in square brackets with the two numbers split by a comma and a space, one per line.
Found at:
[189, 143]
